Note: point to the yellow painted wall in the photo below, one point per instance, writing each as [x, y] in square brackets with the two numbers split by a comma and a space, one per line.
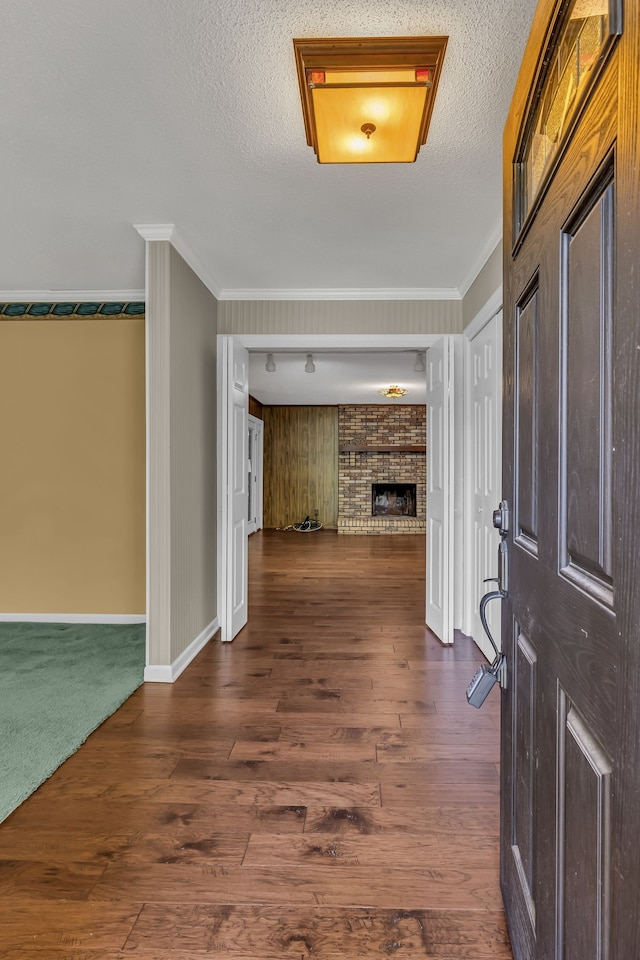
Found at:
[72, 474]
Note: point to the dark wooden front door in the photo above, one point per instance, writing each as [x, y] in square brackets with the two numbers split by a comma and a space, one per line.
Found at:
[570, 867]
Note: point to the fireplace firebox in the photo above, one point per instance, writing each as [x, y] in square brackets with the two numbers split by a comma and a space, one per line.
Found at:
[393, 499]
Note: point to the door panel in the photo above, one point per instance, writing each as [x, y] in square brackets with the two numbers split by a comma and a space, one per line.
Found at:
[485, 368]
[586, 276]
[234, 409]
[439, 612]
[584, 783]
[526, 398]
[571, 620]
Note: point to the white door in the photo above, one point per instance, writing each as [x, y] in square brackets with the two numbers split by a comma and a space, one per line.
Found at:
[235, 505]
[254, 452]
[485, 474]
[440, 419]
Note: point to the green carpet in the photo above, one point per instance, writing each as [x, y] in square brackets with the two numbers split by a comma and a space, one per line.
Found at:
[58, 682]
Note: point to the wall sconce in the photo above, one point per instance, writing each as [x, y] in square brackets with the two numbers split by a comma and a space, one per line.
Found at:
[368, 100]
[270, 365]
[309, 366]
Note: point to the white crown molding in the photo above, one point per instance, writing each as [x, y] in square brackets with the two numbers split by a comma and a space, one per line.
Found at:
[72, 618]
[167, 673]
[155, 231]
[492, 242]
[70, 296]
[168, 232]
[371, 293]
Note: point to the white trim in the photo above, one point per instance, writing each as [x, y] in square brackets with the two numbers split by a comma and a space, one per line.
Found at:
[167, 674]
[73, 618]
[336, 341]
[147, 449]
[369, 293]
[168, 232]
[486, 250]
[155, 231]
[484, 315]
[69, 296]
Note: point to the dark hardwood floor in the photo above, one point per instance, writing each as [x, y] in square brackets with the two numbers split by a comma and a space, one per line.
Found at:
[318, 788]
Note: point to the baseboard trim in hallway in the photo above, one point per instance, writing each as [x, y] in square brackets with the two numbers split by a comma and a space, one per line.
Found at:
[159, 673]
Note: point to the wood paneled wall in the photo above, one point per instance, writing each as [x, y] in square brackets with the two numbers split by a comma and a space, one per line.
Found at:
[255, 408]
[300, 465]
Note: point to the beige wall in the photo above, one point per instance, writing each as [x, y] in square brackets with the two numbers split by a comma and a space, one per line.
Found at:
[193, 456]
[72, 482]
[484, 285]
[182, 437]
[339, 316]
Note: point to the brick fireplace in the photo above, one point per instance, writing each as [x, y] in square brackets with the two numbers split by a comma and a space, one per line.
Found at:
[384, 445]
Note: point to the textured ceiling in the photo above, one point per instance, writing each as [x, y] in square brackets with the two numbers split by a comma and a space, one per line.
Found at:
[115, 112]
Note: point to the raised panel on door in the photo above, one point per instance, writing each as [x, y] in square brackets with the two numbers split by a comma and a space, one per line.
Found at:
[527, 419]
[584, 839]
[485, 448]
[586, 278]
[439, 546]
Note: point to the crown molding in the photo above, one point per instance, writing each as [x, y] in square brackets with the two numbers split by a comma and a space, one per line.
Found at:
[168, 232]
[370, 293]
[70, 296]
[491, 243]
[155, 231]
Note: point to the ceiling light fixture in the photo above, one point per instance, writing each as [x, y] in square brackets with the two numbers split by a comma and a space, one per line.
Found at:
[270, 365]
[368, 100]
[394, 392]
[419, 366]
[309, 366]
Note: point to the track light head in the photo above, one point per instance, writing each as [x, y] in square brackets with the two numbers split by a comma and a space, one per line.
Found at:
[419, 366]
[309, 366]
[270, 365]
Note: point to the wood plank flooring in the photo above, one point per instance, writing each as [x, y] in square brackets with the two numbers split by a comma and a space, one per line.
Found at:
[317, 789]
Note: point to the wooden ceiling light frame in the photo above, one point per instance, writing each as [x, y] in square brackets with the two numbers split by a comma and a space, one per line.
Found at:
[351, 54]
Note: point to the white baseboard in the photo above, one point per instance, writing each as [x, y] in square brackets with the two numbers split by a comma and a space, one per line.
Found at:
[73, 618]
[170, 672]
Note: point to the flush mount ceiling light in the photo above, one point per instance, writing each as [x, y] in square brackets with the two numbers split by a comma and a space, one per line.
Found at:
[368, 100]
[394, 392]
[309, 366]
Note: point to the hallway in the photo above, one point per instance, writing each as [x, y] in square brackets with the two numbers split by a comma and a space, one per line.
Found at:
[318, 788]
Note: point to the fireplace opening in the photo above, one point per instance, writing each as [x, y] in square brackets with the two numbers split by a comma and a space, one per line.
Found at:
[393, 499]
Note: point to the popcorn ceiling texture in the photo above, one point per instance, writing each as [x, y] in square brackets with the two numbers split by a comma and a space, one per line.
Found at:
[188, 112]
[379, 425]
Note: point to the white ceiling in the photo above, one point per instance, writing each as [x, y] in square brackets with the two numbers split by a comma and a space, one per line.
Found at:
[115, 112]
[340, 377]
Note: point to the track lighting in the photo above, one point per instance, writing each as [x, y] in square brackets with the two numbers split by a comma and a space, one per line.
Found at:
[419, 366]
[270, 365]
[309, 366]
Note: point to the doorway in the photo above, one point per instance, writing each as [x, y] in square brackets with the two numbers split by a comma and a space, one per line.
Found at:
[233, 354]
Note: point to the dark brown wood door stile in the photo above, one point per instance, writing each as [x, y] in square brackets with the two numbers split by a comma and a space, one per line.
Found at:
[318, 788]
[571, 466]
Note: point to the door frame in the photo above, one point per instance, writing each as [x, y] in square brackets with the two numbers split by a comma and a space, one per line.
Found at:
[256, 425]
[308, 343]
